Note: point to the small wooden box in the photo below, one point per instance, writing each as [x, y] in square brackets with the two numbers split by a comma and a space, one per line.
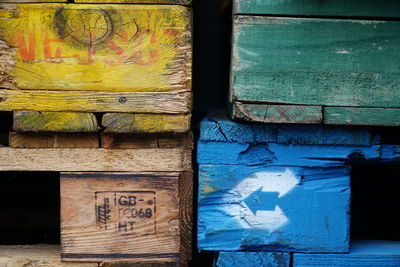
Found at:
[319, 69]
[277, 187]
[130, 217]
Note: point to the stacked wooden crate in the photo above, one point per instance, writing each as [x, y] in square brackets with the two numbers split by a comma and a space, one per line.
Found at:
[102, 94]
[279, 195]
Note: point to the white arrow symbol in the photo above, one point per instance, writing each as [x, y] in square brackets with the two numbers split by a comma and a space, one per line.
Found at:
[254, 211]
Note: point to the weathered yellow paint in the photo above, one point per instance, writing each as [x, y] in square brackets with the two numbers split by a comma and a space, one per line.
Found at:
[145, 123]
[176, 2]
[95, 47]
[36, 121]
[88, 101]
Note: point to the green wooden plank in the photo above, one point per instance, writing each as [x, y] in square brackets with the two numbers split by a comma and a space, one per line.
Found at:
[316, 61]
[362, 116]
[277, 113]
[364, 8]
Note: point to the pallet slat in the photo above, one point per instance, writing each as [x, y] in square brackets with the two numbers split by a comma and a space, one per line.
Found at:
[86, 101]
[54, 140]
[362, 116]
[37, 121]
[175, 2]
[141, 52]
[238, 259]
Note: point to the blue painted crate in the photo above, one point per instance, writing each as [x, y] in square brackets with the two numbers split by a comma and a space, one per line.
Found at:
[253, 259]
[362, 254]
[278, 188]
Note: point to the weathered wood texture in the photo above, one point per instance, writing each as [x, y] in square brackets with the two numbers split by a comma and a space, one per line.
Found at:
[35, 255]
[138, 217]
[277, 113]
[362, 116]
[86, 101]
[239, 259]
[363, 8]
[146, 141]
[362, 253]
[86, 159]
[37, 121]
[147, 264]
[54, 140]
[48, 46]
[314, 62]
[173, 2]
[277, 187]
[145, 123]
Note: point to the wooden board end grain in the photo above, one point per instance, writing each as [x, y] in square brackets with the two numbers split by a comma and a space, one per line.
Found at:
[54, 140]
[86, 101]
[239, 259]
[137, 217]
[39, 121]
[145, 123]
[35, 255]
[143, 47]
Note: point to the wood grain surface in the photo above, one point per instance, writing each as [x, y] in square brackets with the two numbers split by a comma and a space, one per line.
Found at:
[146, 141]
[143, 47]
[38, 121]
[53, 140]
[236, 259]
[172, 2]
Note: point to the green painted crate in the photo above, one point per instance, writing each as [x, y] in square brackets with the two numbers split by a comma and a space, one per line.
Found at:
[311, 67]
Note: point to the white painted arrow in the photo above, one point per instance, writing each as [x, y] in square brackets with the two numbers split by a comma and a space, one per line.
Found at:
[265, 219]
[277, 182]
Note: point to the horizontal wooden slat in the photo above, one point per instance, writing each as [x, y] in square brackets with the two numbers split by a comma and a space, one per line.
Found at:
[362, 116]
[145, 123]
[54, 140]
[146, 141]
[237, 259]
[48, 46]
[364, 8]
[308, 61]
[86, 101]
[277, 113]
[87, 159]
[35, 255]
[176, 2]
[37, 121]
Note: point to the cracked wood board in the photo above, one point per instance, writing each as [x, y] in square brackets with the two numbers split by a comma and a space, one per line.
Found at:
[140, 217]
[144, 48]
[238, 259]
[145, 123]
[37, 121]
[35, 255]
[314, 62]
[362, 8]
[278, 187]
[365, 253]
[53, 140]
[87, 101]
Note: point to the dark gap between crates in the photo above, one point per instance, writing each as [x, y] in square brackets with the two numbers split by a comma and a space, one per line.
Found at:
[30, 208]
[6, 120]
[374, 201]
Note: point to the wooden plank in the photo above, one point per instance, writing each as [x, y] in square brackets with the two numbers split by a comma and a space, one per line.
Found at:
[35, 255]
[277, 113]
[362, 253]
[253, 207]
[86, 101]
[147, 264]
[136, 217]
[171, 2]
[54, 140]
[362, 116]
[363, 8]
[238, 259]
[141, 52]
[145, 123]
[37, 121]
[87, 159]
[146, 141]
[33, 1]
[186, 216]
[309, 61]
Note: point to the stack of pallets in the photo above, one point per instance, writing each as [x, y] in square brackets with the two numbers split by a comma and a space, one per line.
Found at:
[279, 195]
[102, 94]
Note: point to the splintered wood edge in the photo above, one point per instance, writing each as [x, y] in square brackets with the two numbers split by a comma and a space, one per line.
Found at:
[173, 102]
[94, 159]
